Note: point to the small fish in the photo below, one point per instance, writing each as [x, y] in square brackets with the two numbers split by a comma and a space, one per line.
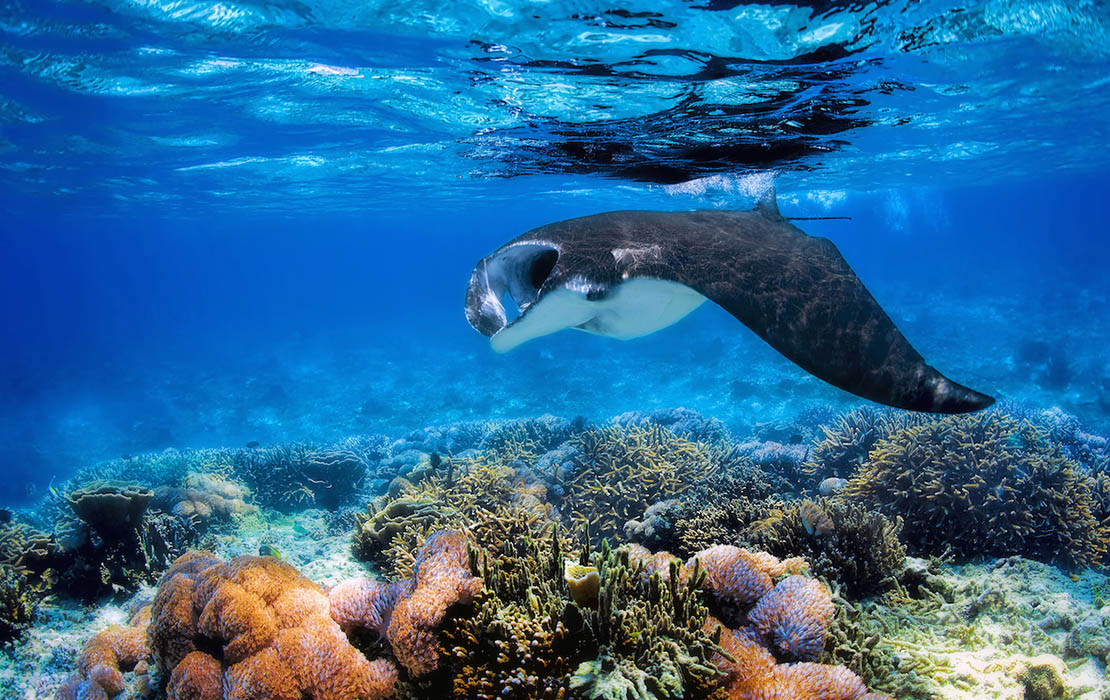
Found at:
[815, 520]
[253, 445]
[831, 485]
[269, 550]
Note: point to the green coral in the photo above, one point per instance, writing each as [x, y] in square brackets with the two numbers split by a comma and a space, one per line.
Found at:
[982, 485]
[862, 554]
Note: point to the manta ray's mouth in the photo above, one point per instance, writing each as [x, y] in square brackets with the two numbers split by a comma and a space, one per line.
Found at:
[518, 272]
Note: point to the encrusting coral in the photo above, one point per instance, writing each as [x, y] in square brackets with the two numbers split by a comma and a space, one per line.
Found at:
[982, 485]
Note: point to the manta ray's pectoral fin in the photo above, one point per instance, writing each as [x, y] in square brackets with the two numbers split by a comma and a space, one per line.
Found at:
[799, 294]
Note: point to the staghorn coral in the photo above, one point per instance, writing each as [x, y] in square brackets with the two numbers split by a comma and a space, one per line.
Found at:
[702, 522]
[491, 500]
[533, 436]
[523, 636]
[861, 552]
[982, 485]
[253, 627]
[619, 472]
[848, 441]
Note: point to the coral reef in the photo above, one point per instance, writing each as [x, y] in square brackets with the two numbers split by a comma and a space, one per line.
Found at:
[683, 422]
[112, 510]
[618, 472]
[861, 550]
[848, 441]
[18, 604]
[204, 498]
[793, 617]
[534, 435]
[493, 501]
[115, 543]
[982, 485]
[290, 476]
[253, 627]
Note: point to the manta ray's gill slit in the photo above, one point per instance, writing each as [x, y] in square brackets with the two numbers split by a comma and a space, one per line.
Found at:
[541, 267]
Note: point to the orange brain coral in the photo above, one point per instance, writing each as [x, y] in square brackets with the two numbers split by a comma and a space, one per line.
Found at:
[275, 635]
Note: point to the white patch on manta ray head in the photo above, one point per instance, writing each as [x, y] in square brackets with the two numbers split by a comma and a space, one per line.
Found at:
[632, 309]
[635, 255]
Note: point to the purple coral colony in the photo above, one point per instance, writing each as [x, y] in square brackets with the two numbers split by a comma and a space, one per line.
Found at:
[651, 557]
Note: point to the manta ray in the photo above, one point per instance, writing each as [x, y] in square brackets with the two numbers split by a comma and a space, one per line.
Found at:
[626, 274]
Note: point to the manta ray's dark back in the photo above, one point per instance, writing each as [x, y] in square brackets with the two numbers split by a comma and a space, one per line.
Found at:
[794, 290]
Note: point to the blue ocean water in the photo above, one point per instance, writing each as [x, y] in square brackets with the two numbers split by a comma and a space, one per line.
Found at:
[227, 222]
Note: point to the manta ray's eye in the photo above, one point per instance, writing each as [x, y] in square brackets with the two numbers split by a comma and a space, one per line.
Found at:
[541, 267]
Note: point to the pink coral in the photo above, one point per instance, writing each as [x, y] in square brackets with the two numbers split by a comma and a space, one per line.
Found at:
[794, 617]
[410, 611]
[733, 573]
[362, 603]
[752, 674]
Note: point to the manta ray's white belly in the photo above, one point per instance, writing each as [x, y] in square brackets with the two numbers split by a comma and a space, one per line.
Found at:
[634, 308]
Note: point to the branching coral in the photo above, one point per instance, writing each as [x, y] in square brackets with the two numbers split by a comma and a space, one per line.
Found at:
[292, 476]
[18, 603]
[253, 627]
[534, 435]
[700, 522]
[619, 472]
[982, 485]
[491, 500]
[848, 441]
[861, 551]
